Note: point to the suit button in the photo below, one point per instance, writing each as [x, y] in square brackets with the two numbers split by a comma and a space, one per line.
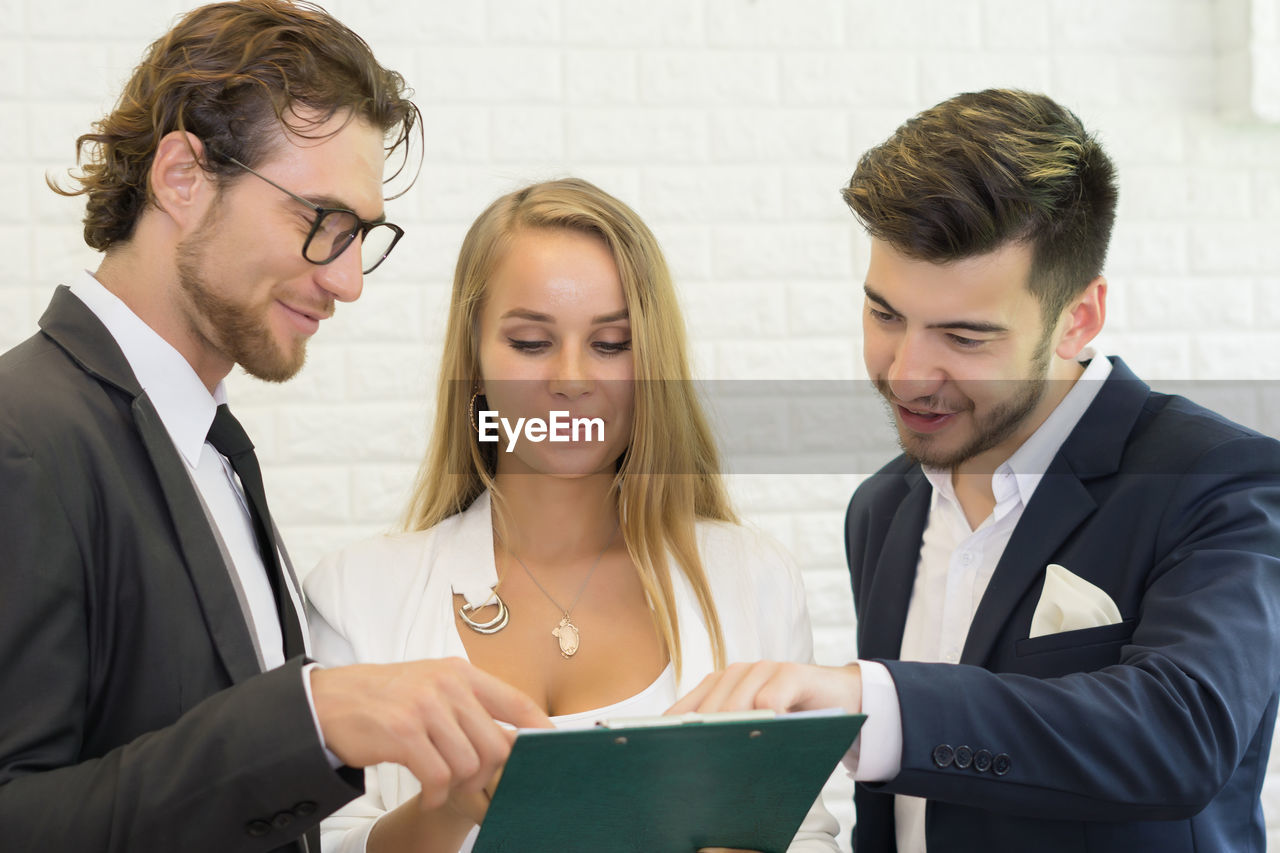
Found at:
[982, 760]
[964, 757]
[1001, 764]
[306, 808]
[257, 828]
[943, 755]
[282, 819]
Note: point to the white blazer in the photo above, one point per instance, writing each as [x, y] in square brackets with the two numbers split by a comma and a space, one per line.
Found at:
[390, 599]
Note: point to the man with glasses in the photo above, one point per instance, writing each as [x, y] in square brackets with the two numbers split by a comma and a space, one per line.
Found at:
[154, 689]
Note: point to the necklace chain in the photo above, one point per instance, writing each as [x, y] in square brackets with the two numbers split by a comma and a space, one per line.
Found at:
[566, 632]
[565, 610]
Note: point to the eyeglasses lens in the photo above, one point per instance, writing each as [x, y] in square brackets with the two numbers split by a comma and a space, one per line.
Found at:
[377, 243]
[337, 230]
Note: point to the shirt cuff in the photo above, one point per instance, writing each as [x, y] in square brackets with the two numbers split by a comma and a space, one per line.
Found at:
[334, 761]
[876, 754]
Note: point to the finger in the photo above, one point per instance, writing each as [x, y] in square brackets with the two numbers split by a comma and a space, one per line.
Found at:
[426, 765]
[694, 697]
[506, 703]
[465, 736]
[769, 685]
[492, 787]
[491, 742]
[737, 690]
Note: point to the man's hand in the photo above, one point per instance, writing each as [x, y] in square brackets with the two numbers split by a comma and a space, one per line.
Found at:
[778, 686]
[435, 717]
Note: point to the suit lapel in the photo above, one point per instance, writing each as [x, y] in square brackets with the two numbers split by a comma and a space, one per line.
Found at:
[880, 625]
[79, 332]
[1060, 504]
[209, 574]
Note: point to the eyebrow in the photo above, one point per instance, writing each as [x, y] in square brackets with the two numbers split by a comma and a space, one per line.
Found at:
[537, 317]
[965, 325]
[330, 202]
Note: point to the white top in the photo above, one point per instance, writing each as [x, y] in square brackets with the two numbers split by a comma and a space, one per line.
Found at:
[956, 564]
[391, 599]
[186, 408]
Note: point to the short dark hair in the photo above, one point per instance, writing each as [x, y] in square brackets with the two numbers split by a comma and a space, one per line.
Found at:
[984, 169]
[232, 74]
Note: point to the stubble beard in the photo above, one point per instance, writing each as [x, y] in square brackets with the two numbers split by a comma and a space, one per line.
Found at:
[238, 330]
[989, 431]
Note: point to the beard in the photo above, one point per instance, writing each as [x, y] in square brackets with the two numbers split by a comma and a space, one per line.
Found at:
[989, 430]
[239, 330]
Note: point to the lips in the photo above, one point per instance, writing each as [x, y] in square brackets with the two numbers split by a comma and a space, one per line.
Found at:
[306, 319]
[923, 420]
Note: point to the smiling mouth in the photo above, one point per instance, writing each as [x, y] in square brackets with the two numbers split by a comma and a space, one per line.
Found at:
[924, 413]
[312, 314]
[306, 319]
[923, 420]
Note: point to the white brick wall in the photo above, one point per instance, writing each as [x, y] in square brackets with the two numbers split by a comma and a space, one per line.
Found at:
[730, 125]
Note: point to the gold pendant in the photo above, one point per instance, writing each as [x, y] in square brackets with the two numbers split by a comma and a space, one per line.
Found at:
[567, 633]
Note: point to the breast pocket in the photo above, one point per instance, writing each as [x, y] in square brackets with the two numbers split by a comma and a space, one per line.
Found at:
[1085, 650]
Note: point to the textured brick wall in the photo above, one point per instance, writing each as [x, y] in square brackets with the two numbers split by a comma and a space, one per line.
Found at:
[730, 125]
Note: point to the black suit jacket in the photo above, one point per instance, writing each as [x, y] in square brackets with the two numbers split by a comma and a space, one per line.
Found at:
[133, 715]
[1151, 734]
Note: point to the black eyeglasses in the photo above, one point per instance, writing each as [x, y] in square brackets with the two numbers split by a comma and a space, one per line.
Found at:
[336, 228]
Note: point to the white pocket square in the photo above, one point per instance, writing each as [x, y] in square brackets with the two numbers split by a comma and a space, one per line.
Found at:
[1069, 603]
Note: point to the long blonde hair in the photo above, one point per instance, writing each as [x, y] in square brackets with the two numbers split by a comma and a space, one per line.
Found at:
[669, 476]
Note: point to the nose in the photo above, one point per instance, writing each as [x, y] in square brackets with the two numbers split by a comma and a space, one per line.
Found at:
[914, 373]
[343, 277]
[569, 376]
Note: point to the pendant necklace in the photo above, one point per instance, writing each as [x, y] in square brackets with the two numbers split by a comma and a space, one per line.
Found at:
[566, 632]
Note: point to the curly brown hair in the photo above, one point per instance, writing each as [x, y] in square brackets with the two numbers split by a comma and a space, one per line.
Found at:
[983, 169]
[232, 74]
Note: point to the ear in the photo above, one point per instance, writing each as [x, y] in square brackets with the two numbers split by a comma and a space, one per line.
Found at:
[1083, 320]
[179, 185]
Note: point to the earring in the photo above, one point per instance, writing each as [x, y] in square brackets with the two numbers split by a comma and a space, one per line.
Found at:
[471, 412]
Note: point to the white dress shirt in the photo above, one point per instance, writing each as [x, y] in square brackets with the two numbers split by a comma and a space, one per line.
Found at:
[186, 408]
[955, 565]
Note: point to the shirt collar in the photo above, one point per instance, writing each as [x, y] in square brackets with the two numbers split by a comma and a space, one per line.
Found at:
[185, 406]
[1021, 473]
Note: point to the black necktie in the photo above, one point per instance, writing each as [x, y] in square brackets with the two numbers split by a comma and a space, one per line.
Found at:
[229, 438]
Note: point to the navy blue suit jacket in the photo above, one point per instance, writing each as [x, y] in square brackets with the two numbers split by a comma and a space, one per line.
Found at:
[1151, 734]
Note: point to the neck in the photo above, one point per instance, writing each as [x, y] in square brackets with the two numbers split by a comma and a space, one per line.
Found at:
[557, 521]
[151, 291]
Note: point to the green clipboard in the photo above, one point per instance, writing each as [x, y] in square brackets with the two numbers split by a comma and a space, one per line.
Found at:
[665, 788]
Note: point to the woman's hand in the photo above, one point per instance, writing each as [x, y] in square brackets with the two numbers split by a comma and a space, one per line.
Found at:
[472, 805]
[416, 826]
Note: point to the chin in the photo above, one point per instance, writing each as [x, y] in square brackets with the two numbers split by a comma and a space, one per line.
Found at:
[934, 454]
[280, 366]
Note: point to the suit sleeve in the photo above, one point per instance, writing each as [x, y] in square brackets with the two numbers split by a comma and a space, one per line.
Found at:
[1158, 735]
[241, 771]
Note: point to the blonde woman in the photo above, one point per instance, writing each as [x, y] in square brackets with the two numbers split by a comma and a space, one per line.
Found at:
[603, 576]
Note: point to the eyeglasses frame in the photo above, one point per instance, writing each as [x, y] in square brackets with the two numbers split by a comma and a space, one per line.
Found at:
[320, 213]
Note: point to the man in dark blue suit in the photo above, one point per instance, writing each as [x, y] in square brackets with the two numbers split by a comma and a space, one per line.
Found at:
[1068, 586]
